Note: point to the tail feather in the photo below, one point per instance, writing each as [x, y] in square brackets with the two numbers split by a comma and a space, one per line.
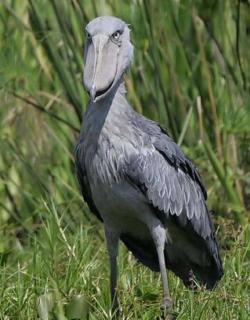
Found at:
[196, 261]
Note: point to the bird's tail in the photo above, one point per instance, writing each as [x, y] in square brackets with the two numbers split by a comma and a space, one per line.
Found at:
[198, 262]
[203, 266]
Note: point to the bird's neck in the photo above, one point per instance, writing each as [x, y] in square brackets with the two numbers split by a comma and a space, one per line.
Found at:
[108, 137]
[112, 109]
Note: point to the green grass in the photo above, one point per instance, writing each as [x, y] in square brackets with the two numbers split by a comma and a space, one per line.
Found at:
[65, 273]
[191, 72]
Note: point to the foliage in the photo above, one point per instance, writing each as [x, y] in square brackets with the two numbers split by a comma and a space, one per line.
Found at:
[191, 72]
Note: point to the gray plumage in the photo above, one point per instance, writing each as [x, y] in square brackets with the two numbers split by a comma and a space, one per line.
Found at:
[134, 177]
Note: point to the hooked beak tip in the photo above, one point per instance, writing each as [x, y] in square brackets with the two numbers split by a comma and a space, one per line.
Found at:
[93, 92]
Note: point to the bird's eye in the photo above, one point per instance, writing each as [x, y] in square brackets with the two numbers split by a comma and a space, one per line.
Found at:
[116, 35]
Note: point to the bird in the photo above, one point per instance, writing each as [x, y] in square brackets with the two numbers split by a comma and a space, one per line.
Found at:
[135, 179]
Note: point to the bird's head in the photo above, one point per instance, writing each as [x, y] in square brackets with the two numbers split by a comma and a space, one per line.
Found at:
[108, 52]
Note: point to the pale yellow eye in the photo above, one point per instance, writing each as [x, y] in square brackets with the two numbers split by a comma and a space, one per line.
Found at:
[116, 35]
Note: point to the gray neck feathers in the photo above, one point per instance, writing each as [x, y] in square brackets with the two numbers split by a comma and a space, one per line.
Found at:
[109, 137]
[111, 113]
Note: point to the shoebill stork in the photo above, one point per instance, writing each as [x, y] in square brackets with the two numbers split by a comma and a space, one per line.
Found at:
[135, 178]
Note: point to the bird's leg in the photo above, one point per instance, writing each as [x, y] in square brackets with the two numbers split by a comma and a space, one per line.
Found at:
[112, 239]
[159, 236]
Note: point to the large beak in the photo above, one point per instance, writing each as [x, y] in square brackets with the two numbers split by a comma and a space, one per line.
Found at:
[100, 66]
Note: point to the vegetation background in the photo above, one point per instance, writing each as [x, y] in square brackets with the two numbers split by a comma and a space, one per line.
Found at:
[191, 72]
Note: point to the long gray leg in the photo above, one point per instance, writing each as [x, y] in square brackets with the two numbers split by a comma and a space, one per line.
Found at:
[112, 239]
[159, 236]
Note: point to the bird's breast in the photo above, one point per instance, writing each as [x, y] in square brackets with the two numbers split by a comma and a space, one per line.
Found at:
[107, 154]
[122, 207]
[103, 163]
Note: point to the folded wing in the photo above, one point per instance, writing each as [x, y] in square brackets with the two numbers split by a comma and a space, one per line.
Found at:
[173, 188]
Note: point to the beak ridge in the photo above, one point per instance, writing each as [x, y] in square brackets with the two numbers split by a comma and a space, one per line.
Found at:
[100, 67]
[99, 42]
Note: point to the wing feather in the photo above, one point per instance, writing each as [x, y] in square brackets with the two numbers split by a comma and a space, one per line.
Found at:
[174, 189]
[179, 202]
[171, 190]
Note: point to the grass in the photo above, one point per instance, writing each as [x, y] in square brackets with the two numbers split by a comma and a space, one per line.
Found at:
[191, 72]
[63, 274]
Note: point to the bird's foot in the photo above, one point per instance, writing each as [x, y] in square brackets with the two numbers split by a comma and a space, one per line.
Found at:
[166, 309]
[166, 303]
[167, 316]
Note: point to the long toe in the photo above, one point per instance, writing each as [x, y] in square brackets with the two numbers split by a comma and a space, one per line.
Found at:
[166, 316]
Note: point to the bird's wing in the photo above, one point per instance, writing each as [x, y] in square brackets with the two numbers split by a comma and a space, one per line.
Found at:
[174, 190]
[83, 179]
[171, 182]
